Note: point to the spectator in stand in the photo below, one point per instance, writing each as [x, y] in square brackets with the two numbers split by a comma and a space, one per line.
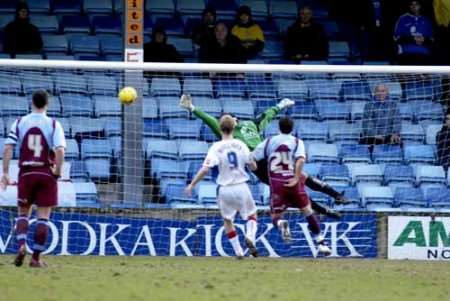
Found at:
[442, 18]
[414, 37]
[305, 39]
[205, 30]
[224, 48]
[381, 122]
[248, 32]
[20, 36]
[157, 50]
[443, 143]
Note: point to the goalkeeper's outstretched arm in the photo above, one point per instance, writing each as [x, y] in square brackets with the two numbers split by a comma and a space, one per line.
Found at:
[270, 113]
[211, 121]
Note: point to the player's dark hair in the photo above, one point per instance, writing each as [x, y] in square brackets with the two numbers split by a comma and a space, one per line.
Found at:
[227, 124]
[286, 125]
[40, 99]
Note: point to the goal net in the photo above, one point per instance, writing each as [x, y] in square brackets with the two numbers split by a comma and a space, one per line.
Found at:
[376, 134]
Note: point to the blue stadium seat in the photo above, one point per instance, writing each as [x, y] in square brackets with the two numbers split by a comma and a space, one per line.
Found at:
[322, 152]
[355, 90]
[273, 49]
[377, 197]
[335, 173]
[354, 153]
[419, 90]
[12, 105]
[427, 110]
[165, 87]
[169, 108]
[424, 154]
[240, 108]
[366, 173]
[99, 169]
[211, 106]
[412, 133]
[269, 27]
[87, 127]
[111, 45]
[67, 127]
[272, 129]
[60, 57]
[78, 171]
[66, 82]
[72, 150]
[438, 197]
[394, 173]
[95, 148]
[10, 84]
[150, 108]
[4, 20]
[309, 130]
[322, 89]
[165, 168]
[45, 23]
[84, 44]
[331, 29]
[258, 7]
[344, 133]
[192, 150]
[357, 110]
[38, 7]
[261, 105]
[207, 193]
[338, 49]
[303, 110]
[155, 128]
[55, 43]
[431, 132]
[223, 8]
[98, 7]
[258, 86]
[318, 197]
[173, 26]
[190, 7]
[162, 149]
[106, 106]
[173, 191]
[284, 9]
[29, 56]
[183, 128]
[406, 112]
[430, 175]
[352, 194]
[198, 87]
[160, 6]
[193, 168]
[183, 45]
[407, 197]
[113, 125]
[292, 89]
[77, 105]
[230, 88]
[106, 25]
[386, 153]
[86, 194]
[75, 24]
[101, 84]
[333, 110]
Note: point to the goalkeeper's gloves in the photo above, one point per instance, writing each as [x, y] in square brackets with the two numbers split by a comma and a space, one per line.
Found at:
[186, 102]
[285, 103]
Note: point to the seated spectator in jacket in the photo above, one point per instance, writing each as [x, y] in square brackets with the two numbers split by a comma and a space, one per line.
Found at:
[205, 30]
[158, 50]
[443, 143]
[381, 122]
[223, 48]
[20, 36]
[248, 32]
[414, 37]
[305, 39]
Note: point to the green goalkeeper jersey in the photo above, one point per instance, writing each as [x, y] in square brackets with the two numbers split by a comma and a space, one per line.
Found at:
[248, 131]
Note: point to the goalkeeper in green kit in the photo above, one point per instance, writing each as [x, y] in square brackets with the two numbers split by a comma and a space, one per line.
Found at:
[249, 132]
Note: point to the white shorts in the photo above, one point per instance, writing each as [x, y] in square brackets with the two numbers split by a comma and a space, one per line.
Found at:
[235, 198]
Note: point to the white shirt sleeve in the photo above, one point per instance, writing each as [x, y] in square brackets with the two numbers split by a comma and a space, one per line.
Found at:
[212, 158]
[300, 150]
[259, 152]
[246, 153]
[59, 140]
[12, 137]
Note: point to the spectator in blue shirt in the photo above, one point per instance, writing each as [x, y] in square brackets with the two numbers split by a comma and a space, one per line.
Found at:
[414, 37]
[381, 122]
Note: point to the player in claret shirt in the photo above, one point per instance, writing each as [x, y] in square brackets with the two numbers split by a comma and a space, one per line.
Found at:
[41, 142]
[249, 132]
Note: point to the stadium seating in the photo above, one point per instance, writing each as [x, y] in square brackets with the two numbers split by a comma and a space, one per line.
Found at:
[386, 153]
[335, 174]
[377, 197]
[430, 175]
[407, 197]
[437, 197]
[419, 154]
[354, 153]
[321, 152]
[366, 173]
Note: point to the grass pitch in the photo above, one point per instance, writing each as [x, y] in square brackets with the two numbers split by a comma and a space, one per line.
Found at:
[162, 278]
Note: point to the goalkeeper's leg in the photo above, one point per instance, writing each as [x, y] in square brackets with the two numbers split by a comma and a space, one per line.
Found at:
[317, 185]
[324, 210]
